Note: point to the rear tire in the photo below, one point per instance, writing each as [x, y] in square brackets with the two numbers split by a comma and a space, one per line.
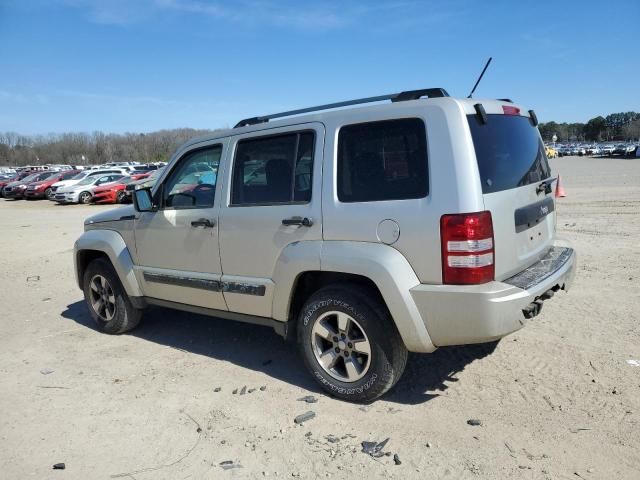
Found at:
[108, 303]
[47, 193]
[120, 197]
[350, 344]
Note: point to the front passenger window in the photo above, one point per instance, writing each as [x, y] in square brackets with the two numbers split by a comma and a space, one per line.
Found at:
[193, 182]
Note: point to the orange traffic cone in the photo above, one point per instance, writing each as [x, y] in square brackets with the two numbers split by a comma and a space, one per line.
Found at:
[560, 193]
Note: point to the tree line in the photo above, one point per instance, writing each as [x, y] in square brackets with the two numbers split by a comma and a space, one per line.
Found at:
[98, 147]
[92, 148]
[624, 126]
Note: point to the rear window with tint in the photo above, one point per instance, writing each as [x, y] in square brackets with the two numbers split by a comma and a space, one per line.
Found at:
[509, 151]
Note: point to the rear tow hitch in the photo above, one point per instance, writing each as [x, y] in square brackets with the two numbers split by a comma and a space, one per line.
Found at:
[534, 308]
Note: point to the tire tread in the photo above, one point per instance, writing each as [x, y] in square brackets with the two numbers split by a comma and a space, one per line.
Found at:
[127, 317]
[391, 345]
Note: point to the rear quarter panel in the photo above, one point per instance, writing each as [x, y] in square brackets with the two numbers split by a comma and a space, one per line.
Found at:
[453, 186]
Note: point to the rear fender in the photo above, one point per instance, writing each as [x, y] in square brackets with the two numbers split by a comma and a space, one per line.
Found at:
[393, 276]
[383, 265]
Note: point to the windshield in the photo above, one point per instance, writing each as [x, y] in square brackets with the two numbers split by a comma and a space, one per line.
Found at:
[509, 151]
[45, 175]
[88, 180]
[30, 178]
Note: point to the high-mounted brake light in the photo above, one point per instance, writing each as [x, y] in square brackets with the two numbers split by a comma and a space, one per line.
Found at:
[467, 248]
[510, 110]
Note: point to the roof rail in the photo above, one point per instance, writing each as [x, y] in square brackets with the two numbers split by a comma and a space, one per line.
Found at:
[394, 97]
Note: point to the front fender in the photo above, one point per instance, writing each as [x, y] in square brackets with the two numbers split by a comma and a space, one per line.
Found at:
[113, 245]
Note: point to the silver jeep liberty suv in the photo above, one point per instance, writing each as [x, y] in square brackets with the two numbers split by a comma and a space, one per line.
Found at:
[360, 233]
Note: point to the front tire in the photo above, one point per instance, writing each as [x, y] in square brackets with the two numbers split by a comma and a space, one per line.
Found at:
[350, 344]
[84, 197]
[108, 303]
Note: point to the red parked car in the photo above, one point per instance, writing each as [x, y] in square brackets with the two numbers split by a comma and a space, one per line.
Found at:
[42, 189]
[114, 192]
[20, 176]
[17, 188]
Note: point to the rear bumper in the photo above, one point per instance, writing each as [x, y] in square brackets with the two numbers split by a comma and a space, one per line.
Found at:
[460, 314]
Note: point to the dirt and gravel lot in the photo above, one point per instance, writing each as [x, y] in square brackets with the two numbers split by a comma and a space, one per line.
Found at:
[558, 399]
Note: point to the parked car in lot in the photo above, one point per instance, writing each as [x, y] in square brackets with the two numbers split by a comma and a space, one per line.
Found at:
[16, 189]
[42, 188]
[115, 192]
[83, 175]
[309, 226]
[630, 150]
[607, 149]
[594, 150]
[145, 168]
[81, 192]
[141, 183]
[7, 178]
[13, 178]
[620, 149]
[550, 151]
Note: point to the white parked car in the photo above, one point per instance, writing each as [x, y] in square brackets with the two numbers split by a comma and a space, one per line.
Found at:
[83, 175]
[82, 191]
[607, 149]
[594, 150]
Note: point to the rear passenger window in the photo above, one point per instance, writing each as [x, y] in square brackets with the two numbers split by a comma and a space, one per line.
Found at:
[384, 160]
[276, 169]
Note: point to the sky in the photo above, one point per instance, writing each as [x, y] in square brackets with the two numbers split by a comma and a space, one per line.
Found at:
[144, 65]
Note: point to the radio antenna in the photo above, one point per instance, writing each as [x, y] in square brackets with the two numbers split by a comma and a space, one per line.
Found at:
[480, 77]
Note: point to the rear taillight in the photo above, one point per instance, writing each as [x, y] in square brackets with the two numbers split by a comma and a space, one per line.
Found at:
[467, 248]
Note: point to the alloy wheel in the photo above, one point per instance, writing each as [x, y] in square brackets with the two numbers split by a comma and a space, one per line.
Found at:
[103, 299]
[341, 346]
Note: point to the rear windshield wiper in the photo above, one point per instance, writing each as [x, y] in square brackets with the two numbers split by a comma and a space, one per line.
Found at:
[545, 186]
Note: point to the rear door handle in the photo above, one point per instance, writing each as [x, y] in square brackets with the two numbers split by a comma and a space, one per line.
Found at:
[203, 222]
[304, 222]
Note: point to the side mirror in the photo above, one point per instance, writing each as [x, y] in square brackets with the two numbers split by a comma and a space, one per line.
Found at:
[142, 200]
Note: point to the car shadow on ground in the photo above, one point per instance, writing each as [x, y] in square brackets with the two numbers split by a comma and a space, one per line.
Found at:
[261, 349]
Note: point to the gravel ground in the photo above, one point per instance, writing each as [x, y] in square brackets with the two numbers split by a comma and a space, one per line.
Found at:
[558, 399]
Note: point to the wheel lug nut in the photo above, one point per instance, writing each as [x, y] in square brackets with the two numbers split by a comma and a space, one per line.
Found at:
[346, 354]
[350, 345]
[343, 336]
[337, 350]
[335, 339]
